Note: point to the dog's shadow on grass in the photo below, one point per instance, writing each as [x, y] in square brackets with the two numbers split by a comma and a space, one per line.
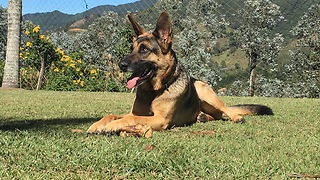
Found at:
[11, 125]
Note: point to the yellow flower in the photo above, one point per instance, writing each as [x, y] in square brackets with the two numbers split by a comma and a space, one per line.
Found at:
[72, 65]
[41, 36]
[56, 70]
[60, 51]
[93, 71]
[81, 83]
[36, 29]
[81, 74]
[21, 48]
[79, 61]
[65, 58]
[21, 55]
[77, 69]
[27, 33]
[28, 44]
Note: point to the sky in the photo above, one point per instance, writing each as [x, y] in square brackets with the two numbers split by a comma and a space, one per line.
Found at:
[65, 6]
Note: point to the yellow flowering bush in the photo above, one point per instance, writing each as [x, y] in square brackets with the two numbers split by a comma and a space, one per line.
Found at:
[36, 55]
[70, 73]
[63, 72]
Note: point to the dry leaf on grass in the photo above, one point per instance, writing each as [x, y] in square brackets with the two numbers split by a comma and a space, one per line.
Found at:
[150, 147]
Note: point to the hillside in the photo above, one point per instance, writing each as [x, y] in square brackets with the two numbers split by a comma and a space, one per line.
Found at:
[123, 8]
[57, 20]
[292, 11]
[50, 20]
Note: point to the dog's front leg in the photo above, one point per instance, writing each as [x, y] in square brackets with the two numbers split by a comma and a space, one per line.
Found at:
[97, 127]
[157, 123]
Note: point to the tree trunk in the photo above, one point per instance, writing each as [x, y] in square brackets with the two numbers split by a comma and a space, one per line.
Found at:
[253, 63]
[41, 72]
[252, 81]
[11, 67]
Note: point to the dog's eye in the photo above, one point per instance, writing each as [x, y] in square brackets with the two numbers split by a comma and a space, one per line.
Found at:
[143, 49]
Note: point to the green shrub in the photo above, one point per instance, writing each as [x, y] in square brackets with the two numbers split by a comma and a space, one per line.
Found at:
[36, 55]
[71, 73]
[115, 86]
[28, 78]
[63, 72]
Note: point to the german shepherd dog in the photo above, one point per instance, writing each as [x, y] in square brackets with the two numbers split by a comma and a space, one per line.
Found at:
[166, 95]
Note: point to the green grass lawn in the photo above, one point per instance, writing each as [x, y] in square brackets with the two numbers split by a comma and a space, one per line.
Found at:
[37, 141]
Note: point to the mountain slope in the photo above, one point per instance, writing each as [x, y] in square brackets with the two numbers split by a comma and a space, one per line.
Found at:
[49, 21]
[57, 20]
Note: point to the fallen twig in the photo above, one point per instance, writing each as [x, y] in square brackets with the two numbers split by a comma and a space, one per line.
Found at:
[303, 176]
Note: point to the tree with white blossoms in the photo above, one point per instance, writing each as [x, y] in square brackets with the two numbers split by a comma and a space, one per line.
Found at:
[106, 41]
[304, 65]
[196, 26]
[261, 46]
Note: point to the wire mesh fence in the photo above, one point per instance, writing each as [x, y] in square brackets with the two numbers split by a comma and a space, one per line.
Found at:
[204, 30]
[77, 10]
[70, 14]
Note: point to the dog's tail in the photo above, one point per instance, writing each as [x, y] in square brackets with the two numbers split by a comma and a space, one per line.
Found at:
[252, 109]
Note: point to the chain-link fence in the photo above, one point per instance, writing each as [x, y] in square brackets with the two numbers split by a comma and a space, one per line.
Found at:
[292, 11]
[206, 35]
[77, 10]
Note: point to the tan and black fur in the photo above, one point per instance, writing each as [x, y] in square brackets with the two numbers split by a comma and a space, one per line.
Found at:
[167, 96]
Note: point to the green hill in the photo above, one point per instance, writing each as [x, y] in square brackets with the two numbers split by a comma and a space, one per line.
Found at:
[54, 20]
[292, 11]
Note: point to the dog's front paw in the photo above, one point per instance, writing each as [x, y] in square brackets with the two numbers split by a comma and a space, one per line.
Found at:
[95, 128]
[113, 127]
[238, 119]
[202, 117]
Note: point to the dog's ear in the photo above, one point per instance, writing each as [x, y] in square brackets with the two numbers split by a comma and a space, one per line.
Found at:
[163, 32]
[136, 28]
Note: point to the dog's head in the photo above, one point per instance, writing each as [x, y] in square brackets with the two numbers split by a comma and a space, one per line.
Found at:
[150, 61]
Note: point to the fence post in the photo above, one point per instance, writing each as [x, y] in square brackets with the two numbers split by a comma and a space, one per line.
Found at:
[11, 67]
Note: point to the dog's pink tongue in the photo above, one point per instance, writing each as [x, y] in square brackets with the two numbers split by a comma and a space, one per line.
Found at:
[132, 82]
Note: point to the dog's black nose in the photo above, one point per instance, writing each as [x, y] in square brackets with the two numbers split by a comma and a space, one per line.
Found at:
[123, 65]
